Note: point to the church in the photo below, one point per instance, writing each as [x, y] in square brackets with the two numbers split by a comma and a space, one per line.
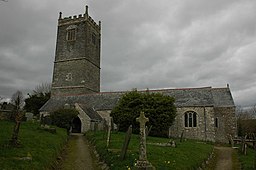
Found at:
[203, 113]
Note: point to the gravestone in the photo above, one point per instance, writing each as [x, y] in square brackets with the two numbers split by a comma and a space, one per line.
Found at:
[181, 136]
[29, 116]
[148, 130]
[126, 142]
[109, 132]
[142, 162]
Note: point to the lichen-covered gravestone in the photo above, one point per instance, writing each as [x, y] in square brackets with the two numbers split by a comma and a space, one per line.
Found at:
[126, 142]
[29, 116]
[143, 163]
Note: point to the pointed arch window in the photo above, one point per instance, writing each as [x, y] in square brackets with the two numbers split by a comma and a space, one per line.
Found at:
[190, 119]
[71, 33]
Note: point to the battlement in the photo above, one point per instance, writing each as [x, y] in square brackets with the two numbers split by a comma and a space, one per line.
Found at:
[76, 19]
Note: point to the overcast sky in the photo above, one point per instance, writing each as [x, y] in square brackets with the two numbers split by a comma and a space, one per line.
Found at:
[145, 44]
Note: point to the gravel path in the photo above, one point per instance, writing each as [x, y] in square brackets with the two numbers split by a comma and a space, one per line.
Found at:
[224, 161]
[77, 155]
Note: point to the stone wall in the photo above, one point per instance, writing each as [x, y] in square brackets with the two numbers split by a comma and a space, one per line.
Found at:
[105, 114]
[227, 123]
[208, 128]
[5, 114]
[204, 129]
[77, 61]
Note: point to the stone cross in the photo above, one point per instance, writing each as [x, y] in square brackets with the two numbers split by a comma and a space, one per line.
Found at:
[142, 120]
[143, 163]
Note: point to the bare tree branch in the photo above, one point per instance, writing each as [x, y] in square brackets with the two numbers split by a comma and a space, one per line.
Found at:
[42, 88]
[18, 100]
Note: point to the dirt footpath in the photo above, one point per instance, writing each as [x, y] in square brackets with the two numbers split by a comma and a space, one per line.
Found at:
[224, 161]
[78, 155]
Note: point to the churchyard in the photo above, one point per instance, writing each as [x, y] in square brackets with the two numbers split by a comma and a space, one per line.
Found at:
[40, 149]
[159, 154]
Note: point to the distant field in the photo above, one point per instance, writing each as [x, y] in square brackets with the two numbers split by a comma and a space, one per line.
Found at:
[42, 146]
[189, 154]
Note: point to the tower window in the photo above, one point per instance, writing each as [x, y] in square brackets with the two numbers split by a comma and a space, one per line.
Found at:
[94, 38]
[216, 122]
[71, 33]
[190, 119]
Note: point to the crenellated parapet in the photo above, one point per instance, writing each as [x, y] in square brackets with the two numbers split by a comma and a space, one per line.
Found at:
[78, 18]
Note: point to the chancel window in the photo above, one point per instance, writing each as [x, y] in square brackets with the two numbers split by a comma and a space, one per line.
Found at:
[190, 119]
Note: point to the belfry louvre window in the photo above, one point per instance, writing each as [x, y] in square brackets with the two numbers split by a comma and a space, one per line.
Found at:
[71, 33]
[190, 119]
[94, 38]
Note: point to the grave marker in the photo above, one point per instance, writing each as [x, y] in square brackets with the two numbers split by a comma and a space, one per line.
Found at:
[126, 142]
[143, 163]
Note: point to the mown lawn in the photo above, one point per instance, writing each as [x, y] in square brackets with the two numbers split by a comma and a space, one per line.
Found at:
[41, 145]
[189, 154]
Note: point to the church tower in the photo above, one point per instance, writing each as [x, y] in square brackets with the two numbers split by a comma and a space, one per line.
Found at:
[77, 56]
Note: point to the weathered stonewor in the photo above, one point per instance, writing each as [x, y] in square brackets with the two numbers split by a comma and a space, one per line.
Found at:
[126, 142]
[143, 163]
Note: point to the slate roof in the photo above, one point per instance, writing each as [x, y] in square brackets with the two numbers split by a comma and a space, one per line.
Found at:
[94, 116]
[205, 96]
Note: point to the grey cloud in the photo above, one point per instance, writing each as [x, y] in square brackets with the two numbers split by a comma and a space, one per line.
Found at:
[145, 44]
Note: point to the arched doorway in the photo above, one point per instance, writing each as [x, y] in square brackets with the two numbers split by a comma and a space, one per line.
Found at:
[76, 125]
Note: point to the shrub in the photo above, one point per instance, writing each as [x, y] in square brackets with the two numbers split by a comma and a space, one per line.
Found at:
[160, 110]
[63, 117]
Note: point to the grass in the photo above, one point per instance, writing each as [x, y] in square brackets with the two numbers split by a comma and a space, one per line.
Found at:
[43, 146]
[248, 161]
[187, 155]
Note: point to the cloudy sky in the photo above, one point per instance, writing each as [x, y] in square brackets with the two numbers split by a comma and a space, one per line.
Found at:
[145, 44]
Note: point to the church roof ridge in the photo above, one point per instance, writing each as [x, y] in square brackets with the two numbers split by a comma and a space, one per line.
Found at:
[143, 90]
[199, 96]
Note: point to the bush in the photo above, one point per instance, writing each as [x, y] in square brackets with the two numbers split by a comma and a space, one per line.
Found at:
[63, 117]
[160, 110]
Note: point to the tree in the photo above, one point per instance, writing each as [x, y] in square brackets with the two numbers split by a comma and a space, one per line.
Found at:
[35, 102]
[63, 117]
[246, 118]
[17, 100]
[41, 94]
[44, 88]
[160, 110]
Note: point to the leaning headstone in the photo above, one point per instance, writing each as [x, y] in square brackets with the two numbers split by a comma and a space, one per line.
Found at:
[181, 136]
[143, 163]
[148, 130]
[109, 134]
[126, 142]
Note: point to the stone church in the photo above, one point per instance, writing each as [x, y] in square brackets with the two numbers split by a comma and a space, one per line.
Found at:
[203, 113]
